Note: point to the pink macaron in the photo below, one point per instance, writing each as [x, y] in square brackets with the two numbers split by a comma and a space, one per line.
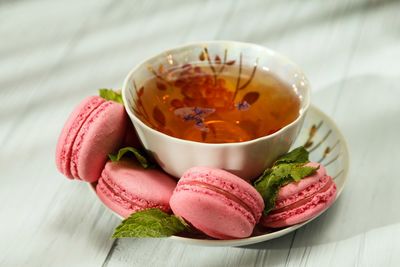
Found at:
[300, 201]
[95, 128]
[126, 187]
[217, 202]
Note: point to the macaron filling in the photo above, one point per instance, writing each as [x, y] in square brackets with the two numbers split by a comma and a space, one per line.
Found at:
[252, 200]
[221, 191]
[317, 203]
[124, 198]
[326, 186]
[310, 190]
[80, 137]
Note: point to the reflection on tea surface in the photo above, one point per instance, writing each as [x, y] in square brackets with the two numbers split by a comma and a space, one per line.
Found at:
[197, 103]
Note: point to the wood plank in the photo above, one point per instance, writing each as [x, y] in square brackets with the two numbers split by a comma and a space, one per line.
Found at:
[53, 54]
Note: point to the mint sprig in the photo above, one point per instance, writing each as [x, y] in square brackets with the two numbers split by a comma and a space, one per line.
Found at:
[109, 94]
[140, 157]
[288, 168]
[150, 223]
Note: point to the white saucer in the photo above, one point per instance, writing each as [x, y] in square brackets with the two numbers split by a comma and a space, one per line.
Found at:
[326, 144]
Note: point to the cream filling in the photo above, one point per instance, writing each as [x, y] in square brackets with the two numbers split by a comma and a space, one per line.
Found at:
[302, 201]
[225, 193]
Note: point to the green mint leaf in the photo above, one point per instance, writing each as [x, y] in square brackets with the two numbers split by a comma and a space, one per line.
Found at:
[287, 169]
[140, 157]
[150, 223]
[297, 155]
[109, 94]
[299, 173]
[268, 186]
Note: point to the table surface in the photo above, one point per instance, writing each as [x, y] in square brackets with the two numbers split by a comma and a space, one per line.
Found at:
[54, 53]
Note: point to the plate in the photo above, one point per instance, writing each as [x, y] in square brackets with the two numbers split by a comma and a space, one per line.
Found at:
[326, 144]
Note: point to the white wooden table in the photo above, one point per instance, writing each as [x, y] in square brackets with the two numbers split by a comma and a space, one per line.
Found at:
[53, 53]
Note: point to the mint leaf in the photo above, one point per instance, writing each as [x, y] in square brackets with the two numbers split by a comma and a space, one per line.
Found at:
[299, 173]
[109, 94]
[268, 186]
[150, 223]
[297, 155]
[288, 168]
[140, 157]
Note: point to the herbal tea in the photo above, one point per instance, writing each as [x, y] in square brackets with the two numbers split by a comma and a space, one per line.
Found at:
[216, 103]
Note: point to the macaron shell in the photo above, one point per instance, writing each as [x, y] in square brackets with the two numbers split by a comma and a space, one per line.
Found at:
[70, 131]
[297, 187]
[126, 187]
[101, 134]
[217, 203]
[227, 182]
[212, 214]
[113, 200]
[318, 203]
[300, 190]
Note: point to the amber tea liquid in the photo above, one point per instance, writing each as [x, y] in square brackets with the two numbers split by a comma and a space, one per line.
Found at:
[206, 104]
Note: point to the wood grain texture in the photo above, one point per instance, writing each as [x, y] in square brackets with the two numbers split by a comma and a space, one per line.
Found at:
[54, 53]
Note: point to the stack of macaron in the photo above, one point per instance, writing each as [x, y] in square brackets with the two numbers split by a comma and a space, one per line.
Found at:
[96, 128]
[213, 201]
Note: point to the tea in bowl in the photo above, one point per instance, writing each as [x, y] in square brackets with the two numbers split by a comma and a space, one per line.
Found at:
[229, 105]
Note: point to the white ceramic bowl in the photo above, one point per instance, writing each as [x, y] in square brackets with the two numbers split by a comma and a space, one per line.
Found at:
[245, 159]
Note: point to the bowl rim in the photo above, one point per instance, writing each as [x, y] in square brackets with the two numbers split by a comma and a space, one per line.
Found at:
[270, 52]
